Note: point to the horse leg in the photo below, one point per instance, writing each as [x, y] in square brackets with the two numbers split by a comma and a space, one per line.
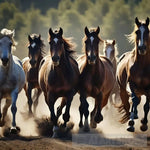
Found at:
[92, 121]
[29, 93]
[5, 108]
[51, 99]
[135, 102]
[14, 96]
[124, 108]
[84, 110]
[144, 121]
[66, 115]
[36, 95]
[59, 108]
[98, 117]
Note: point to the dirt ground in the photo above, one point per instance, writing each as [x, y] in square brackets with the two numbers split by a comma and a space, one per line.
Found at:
[36, 131]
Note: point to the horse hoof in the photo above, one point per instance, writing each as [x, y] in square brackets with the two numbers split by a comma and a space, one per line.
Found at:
[130, 129]
[81, 125]
[93, 124]
[143, 127]
[136, 116]
[14, 130]
[98, 119]
[86, 129]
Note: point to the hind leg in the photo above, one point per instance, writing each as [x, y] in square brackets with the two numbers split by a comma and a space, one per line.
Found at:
[59, 108]
[4, 112]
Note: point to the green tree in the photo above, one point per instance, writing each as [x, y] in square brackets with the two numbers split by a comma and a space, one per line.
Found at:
[117, 23]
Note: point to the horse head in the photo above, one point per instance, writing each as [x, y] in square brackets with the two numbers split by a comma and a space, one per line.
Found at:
[56, 45]
[142, 35]
[92, 44]
[109, 49]
[34, 47]
[6, 43]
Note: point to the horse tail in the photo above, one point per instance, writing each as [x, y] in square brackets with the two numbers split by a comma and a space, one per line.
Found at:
[124, 107]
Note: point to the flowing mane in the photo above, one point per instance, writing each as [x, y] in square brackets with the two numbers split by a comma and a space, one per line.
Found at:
[132, 36]
[69, 46]
[10, 34]
[35, 36]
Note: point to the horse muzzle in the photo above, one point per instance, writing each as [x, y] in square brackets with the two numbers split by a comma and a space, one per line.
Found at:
[91, 60]
[56, 60]
[33, 63]
[4, 61]
[142, 50]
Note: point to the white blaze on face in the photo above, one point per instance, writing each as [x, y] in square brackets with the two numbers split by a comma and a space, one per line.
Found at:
[55, 40]
[33, 45]
[92, 39]
[142, 29]
[108, 52]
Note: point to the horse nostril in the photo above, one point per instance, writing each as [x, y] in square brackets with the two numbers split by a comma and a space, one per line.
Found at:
[32, 62]
[5, 61]
[55, 58]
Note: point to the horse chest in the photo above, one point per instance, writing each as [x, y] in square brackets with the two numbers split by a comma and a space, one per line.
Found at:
[141, 77]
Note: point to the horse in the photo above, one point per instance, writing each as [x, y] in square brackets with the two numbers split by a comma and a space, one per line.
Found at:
[12, 77]
[134, 70]
[31, 67]
[111, 52]
[96, 79]
[58, 76]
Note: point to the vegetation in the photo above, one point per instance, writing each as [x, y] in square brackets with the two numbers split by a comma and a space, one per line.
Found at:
[115, 18]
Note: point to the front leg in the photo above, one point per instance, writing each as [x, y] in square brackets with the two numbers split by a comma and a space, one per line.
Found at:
[29, 93]
[66, 115]
[14, 96]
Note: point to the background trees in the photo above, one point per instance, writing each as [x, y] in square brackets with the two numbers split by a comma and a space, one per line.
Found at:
[115, 18]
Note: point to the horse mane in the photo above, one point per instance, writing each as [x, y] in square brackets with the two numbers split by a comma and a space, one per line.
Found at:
[10, 34]
[85, 38]
[132, 36]
[41, 43]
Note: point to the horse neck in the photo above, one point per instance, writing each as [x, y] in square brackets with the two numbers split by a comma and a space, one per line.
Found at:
[142, 59]
[39, 60]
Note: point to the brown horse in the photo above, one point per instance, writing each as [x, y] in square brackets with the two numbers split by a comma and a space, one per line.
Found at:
[134, 69]
[31, 68]
[96, 78]
[111, 52]
[58, 75]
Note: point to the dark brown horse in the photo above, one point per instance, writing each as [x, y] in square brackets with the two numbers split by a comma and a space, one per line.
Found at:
[31, 68]
[96, 78]
[134, 69]
[58, 76]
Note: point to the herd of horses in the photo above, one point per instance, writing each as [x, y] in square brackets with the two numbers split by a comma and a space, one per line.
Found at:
[60, 74]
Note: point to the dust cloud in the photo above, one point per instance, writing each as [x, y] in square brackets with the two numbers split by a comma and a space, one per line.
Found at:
[110, 127]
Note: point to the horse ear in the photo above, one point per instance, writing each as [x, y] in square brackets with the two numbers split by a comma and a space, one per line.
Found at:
[86, 30]
[97, 30]
[13, 32]
[114, 42]
[147, 21]
[51, 32]
[61, 31]
[137, 22]
[29, 38]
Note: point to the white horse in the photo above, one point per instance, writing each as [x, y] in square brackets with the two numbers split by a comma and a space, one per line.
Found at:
[12, 77]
